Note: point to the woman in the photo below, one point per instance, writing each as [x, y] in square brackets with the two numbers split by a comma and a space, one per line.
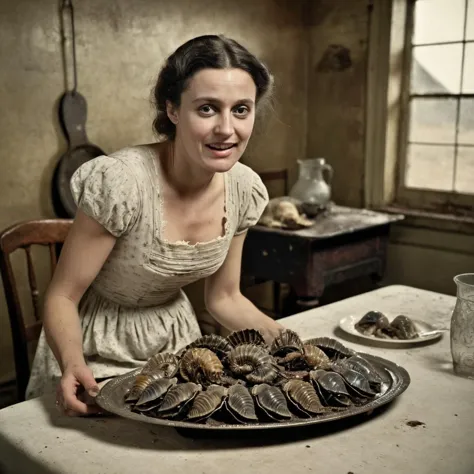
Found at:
[152, 219]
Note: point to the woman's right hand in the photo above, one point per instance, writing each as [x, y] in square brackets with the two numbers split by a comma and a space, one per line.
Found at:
[76, 391]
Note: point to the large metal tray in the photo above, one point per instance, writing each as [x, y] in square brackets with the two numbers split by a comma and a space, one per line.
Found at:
[395, 382]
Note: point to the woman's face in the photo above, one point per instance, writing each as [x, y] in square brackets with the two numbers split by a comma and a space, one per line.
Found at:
[215, 119]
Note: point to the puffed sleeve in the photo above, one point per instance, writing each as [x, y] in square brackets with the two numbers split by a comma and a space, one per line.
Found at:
[105, 189]
[254, 199]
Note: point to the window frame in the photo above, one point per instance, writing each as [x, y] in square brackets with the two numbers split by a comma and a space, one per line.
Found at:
[388, 92]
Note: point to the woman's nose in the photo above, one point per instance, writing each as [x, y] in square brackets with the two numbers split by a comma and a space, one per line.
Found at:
[224, 125]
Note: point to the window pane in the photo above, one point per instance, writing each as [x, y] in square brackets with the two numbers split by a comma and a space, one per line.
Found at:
[470, 21]
[437, 21]
[465, 170]
[436, 69]
[468, 76]
[430, 167]
[433, 120]
[466, 122]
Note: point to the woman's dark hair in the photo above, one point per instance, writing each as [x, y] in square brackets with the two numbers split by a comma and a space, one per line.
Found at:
[203, 52]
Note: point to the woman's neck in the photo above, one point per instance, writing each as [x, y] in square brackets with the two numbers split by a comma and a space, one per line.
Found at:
[182, 177]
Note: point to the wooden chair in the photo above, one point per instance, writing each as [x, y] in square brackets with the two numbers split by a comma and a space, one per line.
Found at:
[275, 175]
[50, 232]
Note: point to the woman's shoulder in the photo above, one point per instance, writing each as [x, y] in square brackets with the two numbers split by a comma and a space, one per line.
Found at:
[136, 158]
[251, 196]
[244, 173]
[109, 188]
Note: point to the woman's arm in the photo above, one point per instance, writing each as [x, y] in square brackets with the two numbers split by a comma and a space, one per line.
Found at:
[84, 252]
[226, 303]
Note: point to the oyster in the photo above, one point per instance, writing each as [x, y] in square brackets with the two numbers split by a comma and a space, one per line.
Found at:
[217, 344]
[153, 394]
[200, 365]
[331, 347]
[162, 364]
[263, 373]
[310, 357]
[208, 402]
[370, 322]
[295, 374]
[272, 401]
[240, 404]
[363, 366]
[314, 357]
[404, 328]
[245, 358]
[304, 397]
[286, 342]
[140, 383]
[177, 398]
[331, 387]
[355, 381]
[291, 361]
[246, 336]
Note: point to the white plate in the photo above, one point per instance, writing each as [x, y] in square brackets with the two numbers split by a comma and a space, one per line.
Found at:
[347, 325]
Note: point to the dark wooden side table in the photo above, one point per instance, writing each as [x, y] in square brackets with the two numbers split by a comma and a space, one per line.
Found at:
[343, 244]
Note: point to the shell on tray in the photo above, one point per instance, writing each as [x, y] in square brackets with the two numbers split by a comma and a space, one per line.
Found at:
[177, 397]
[240, 404]
[245, 358]
[272, 401]
[140, 383]
[161, 365]
[359, 364]
[153, 393]
[334, 349]
[304, 397]
[315, 358]
[246, 336]
[331, 387]
[207, 402]
[217, 344]
[287, 341]
[263, 373]
[356, 382]
[201, 365]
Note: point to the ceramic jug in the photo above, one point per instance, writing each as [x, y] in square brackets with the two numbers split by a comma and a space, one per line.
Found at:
[313, 188]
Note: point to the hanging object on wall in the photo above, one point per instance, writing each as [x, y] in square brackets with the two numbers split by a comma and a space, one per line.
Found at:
[72, 117]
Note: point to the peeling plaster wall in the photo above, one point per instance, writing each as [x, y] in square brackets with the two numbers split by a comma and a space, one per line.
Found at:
[120, 47]
[336, 92]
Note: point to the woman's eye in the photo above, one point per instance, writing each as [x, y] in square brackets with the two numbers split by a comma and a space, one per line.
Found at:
[241, 110]
[206, 110]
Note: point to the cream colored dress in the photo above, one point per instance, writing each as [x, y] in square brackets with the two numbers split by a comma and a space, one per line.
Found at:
[136, 307]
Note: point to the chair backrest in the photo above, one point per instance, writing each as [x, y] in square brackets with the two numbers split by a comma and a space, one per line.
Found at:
[47, 232]
[274, 175]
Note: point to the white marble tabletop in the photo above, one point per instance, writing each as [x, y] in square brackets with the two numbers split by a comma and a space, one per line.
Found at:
[34, 438]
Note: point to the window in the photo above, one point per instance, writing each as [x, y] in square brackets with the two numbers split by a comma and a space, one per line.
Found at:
[436, 139]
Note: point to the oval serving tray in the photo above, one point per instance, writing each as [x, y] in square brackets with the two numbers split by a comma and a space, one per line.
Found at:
[395, 381]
